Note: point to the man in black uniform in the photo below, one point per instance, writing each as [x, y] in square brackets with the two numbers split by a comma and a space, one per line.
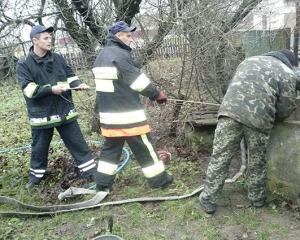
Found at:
[45, 79]
[119, 84]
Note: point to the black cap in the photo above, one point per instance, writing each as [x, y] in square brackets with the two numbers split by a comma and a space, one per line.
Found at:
[121, 27]
[39, 29]
[289, 55]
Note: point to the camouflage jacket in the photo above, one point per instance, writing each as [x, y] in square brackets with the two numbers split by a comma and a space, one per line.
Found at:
[261, 91]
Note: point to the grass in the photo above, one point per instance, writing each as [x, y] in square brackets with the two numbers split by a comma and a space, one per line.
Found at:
[180, 219]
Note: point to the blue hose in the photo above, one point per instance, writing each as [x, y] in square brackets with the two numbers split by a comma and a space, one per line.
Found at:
[91, 141]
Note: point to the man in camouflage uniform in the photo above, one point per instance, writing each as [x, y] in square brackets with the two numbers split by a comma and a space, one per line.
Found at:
[263, 90]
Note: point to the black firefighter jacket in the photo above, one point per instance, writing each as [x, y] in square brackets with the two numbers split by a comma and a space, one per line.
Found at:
[36, 75]
[119, 83]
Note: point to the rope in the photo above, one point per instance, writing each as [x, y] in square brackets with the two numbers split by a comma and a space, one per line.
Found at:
[186, 101]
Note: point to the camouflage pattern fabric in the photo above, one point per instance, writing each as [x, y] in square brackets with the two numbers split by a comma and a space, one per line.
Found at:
[262, 90]
[228, 136]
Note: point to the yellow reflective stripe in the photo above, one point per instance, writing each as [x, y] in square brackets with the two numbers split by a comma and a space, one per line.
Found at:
[154, 170]
[72, 79]
[104, 85]
[107, 168]
[105, 72]
[64, 84]
[150, 147]
[29, 90]
[42, 121]
[72, 115]
[123, 118]
[140, 83]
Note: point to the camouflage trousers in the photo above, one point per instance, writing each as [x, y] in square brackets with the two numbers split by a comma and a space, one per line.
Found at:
[228, 136]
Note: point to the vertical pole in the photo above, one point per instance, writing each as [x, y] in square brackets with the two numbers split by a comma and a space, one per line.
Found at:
[296, 32]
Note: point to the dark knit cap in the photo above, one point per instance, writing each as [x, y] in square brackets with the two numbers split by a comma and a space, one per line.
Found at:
[289, 55]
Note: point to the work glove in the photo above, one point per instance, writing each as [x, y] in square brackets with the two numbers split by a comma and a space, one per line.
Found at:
[162, 98]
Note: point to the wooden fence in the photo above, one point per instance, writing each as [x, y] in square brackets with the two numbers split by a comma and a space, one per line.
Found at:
[170, 48]
[254, 43]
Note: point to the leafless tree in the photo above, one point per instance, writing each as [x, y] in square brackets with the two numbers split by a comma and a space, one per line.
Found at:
[206, 26]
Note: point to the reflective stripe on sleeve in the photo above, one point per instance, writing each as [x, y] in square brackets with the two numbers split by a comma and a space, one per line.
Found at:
[29, 90]
[72, 79]
[107, 168]
[140, 83]
[64, 84]
[123, 118]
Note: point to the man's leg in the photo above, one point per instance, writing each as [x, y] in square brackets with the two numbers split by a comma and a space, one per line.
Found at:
[73, 139]
[257, 143]
[228, 136]
[41, 139]
[144, 150]
[109, 161]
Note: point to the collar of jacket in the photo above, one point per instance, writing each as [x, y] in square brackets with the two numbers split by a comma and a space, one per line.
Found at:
[112, 40]
[279, 56]
[47, 58]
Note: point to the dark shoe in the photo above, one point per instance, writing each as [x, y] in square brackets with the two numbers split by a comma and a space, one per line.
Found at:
[206, 204]
[30, 185]
[168, 181]
[101, 188]
[259, 204]
[92, 177]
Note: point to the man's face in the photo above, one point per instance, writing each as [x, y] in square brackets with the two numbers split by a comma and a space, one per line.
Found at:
[43, 41]
[125, 37]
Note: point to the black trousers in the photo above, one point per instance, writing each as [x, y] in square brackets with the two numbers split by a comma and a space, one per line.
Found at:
[144, 150]
[73, 139]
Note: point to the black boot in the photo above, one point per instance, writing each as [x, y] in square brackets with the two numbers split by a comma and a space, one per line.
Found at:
[206, 204]
[101, 188]
[30, 185]
[168, 181]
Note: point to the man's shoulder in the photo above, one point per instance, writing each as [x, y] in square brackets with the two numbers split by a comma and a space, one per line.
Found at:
[24, 59]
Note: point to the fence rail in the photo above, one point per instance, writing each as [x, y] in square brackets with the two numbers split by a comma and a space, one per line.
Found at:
[170, 48]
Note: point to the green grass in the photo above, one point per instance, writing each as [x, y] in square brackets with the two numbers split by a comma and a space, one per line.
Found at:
[179, 219]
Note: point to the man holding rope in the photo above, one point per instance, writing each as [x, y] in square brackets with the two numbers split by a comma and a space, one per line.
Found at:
[119, 84]
[46, 79]
[262, 90]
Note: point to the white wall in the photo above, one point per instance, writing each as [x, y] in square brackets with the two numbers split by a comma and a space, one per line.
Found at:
[274, 14]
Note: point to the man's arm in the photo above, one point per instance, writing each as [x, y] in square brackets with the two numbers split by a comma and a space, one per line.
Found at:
[138, 81]
[29, 87]
[286, 101]
[74, 80]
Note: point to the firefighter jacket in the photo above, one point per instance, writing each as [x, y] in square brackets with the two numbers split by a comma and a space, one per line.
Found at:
[262, 90]
[35, 76]
[119, 84]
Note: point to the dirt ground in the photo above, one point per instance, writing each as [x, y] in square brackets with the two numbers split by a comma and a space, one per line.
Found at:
[232, 202]
[287, 216]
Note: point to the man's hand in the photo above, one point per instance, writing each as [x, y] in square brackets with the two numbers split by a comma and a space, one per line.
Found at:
[162, 98]
[83, 86]
[58, 89]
